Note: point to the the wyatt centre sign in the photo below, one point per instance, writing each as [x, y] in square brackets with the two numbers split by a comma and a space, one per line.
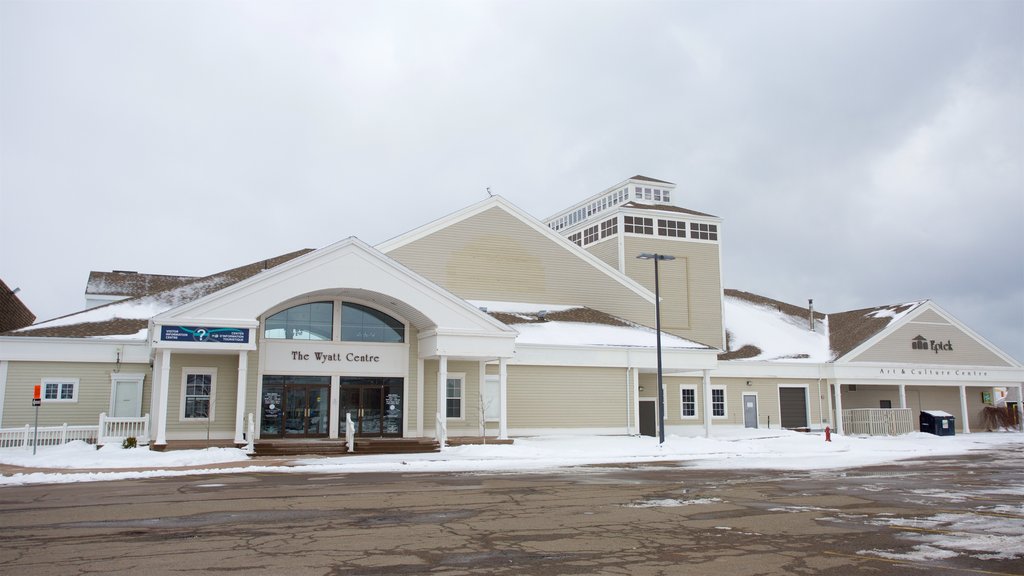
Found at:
[343, 358]
[204, 334]
[921, 343]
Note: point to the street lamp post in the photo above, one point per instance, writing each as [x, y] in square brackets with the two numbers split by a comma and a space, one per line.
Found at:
[657, 320]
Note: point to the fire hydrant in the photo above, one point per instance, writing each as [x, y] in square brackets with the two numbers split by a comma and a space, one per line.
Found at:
[828, 434]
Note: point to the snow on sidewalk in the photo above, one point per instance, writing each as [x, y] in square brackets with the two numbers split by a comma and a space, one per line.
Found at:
[729, 449]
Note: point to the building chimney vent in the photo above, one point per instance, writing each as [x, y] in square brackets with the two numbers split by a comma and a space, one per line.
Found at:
[810, 314]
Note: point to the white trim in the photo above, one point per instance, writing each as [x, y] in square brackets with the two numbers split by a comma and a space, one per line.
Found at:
[185, 372]
[807, 401]
[725, 402]
[757, 408]
[420, 382]
[132, 378]
[46, 349]
[461, 377]
[240, 396]
[499, 202]
[3, 389]
[75, 385]
[696, 402]
[908, 318]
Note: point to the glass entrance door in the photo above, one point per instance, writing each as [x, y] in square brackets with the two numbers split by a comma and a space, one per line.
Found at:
[374, 404]
[295, 406]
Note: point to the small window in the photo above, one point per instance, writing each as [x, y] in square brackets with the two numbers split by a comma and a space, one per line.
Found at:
[638, 225]
[885, 404]
[590, 235]
[454, 397]
[688, 402]
[60, 390]
[702, 231]
[576, 238]
[718, 403]
[609, 227]
[198, 386]
[672, 228]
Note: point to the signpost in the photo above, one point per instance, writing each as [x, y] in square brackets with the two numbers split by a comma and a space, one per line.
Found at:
[37, 399]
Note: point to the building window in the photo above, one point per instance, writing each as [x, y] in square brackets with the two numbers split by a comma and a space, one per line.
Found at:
[198, 387]
[590, 235]
[688, 402]
[665, 196]
[718, 403]
[576, 238]
[885, 404]
[609, 227]
[638, 225]
[60, 390]
[364, 324]
[672, 228]
[703, 231]
[454, 399]
[304, 322]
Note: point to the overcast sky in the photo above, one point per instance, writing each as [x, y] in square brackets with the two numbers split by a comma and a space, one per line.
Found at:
[860, 153]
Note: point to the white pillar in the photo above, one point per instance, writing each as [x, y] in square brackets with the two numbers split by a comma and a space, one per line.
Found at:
[903, 395]
[3, 388]
[419, 397]
[442, 385]
[963, 409]
[503, 399]
[165, 377]
[839, 408]
[243, 376]
[635, 375]
[334, 418]
[707, 403]
[1020, 408]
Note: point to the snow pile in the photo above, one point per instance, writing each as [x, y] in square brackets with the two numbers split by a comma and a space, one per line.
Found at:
[732, 449]
[777, 335]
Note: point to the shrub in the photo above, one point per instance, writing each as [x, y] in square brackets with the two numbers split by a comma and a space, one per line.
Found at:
[130, 442]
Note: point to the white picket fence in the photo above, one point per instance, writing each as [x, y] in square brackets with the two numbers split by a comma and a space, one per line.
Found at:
[108, 431]
[878, 421]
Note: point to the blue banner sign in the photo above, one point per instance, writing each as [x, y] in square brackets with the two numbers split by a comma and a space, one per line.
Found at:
[204, 334]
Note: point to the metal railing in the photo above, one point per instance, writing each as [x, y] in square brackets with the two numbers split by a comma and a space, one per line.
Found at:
[878, 421]
[113, 430]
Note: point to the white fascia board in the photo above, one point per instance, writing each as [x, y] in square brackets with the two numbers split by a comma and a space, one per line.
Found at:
[39, 349]
[208, 322]
[466, 345]
[614, 356]
[737, 369]
[892, 374]
[537, 225]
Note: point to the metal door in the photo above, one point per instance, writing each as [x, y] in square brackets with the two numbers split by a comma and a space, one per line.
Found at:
[750, 410]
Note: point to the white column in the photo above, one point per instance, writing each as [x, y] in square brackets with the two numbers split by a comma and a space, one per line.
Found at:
[963, 409]
[707, 403]
[502, 399]
[903, 395]
[635, 375]
[243, 377]
[419, 397]
[828, 404]
[165, 377]
[442, 384]
[1020, 408]
[3, 388]
[335, 408]
[839, 408]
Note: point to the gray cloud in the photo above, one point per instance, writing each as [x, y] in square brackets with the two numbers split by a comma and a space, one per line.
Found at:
[861, 153]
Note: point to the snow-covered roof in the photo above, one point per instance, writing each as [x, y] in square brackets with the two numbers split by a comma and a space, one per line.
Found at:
[132, 284]
[763, 329]
[128, 319]
[568, 325]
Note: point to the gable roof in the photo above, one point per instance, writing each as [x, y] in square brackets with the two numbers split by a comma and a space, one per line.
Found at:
[131, 284]
[13, 312]
[761, 328]
[129, 318]
[665, 208]
[538, 226]
[849, 330]
[649, 179]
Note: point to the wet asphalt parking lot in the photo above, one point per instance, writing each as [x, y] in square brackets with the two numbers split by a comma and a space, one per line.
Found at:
[956, 515]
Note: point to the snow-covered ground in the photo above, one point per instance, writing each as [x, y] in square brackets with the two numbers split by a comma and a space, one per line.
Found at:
[730, 449]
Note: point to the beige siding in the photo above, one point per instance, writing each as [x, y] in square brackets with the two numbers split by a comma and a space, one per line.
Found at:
[766, 389]
[93, 392]
[566, 397]
[470, 421]
[495, 256]
[930, 316]
[897, 347]
[607, 250]
[691, 286]
[409, 411]
[945, 398]
[225, 394]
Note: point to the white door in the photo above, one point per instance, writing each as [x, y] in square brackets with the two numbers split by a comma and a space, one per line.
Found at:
[750, 410]
[127, 400]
